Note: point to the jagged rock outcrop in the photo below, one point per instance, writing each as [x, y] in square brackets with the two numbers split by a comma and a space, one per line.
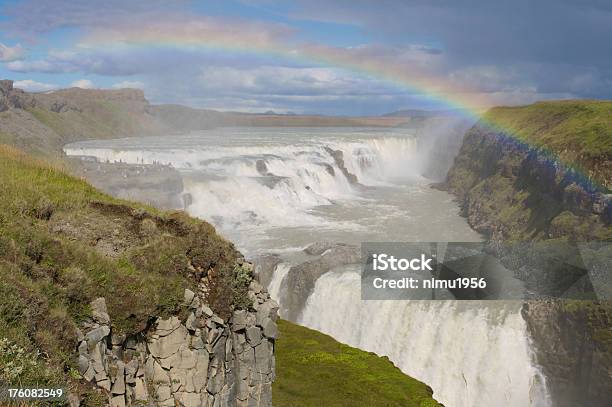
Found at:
[11, 97]
[571, 343]
[201, 361]
[6, 87]
[338, 157]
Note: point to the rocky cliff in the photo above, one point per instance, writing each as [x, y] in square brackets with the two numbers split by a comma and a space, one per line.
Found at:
[127, 304]
[543, 172]
[573, 344]
[202, 361]
[510, 186]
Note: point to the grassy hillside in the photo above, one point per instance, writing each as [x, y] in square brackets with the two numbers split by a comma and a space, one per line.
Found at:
[43, 123]
[315, 370]
[577, 131]
[62, 244]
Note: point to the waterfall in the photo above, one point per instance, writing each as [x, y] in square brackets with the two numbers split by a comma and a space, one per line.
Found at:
[470, 353]
[283, 189]
[280, 272]
[242, 186]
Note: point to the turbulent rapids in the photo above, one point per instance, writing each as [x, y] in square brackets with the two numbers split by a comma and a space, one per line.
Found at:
[274, 184]
[279, 190]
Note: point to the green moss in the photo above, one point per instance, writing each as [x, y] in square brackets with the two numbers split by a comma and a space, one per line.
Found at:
[315, 370]
[577, 131]
[580, 227]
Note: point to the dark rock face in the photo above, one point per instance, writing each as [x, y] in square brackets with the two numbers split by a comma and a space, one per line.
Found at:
[6, 86]
[508, 190]
[571, 341]
[302, 278]
[262, 168]
[265, 266]
[339, 159]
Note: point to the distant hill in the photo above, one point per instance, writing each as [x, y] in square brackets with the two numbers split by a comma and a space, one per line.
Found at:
[43, 123]
[183, 118]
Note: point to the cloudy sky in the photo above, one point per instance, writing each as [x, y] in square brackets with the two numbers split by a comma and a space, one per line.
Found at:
[349, 57]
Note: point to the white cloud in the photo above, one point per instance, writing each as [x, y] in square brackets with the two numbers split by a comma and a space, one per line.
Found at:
[288, 81]
[8, 54]
[33, 86]
[83, 84]
[129, 84]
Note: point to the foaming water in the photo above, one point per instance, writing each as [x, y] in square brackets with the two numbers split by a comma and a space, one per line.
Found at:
[262, 185]
[281, 189]
[277, 282]
[376, 161]
[470, 353]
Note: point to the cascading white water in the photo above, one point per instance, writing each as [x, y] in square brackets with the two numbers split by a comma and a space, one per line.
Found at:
[272, 185]
[470, 353]
[280, 272]
[377, 161]
[282, 189]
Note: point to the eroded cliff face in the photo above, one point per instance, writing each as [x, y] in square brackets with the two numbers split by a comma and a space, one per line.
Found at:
[200, 361]
[572, 343]
[508, 190]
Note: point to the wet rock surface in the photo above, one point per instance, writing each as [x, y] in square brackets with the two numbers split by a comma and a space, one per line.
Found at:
[338, 157]
[302, 277]
[570, 343]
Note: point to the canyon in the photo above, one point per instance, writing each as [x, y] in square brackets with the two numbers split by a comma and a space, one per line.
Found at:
[298, 202]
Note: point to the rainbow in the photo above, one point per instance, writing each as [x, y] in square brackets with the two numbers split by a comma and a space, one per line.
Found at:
[209, 35]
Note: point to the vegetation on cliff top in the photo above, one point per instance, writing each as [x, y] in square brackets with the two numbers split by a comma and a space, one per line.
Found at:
[63, 243]
[313, 369]
[509, 193]
[579, 132]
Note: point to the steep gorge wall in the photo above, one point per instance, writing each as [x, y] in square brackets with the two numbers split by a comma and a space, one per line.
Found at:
[508, 190]
[573, 346]
[519, 189]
